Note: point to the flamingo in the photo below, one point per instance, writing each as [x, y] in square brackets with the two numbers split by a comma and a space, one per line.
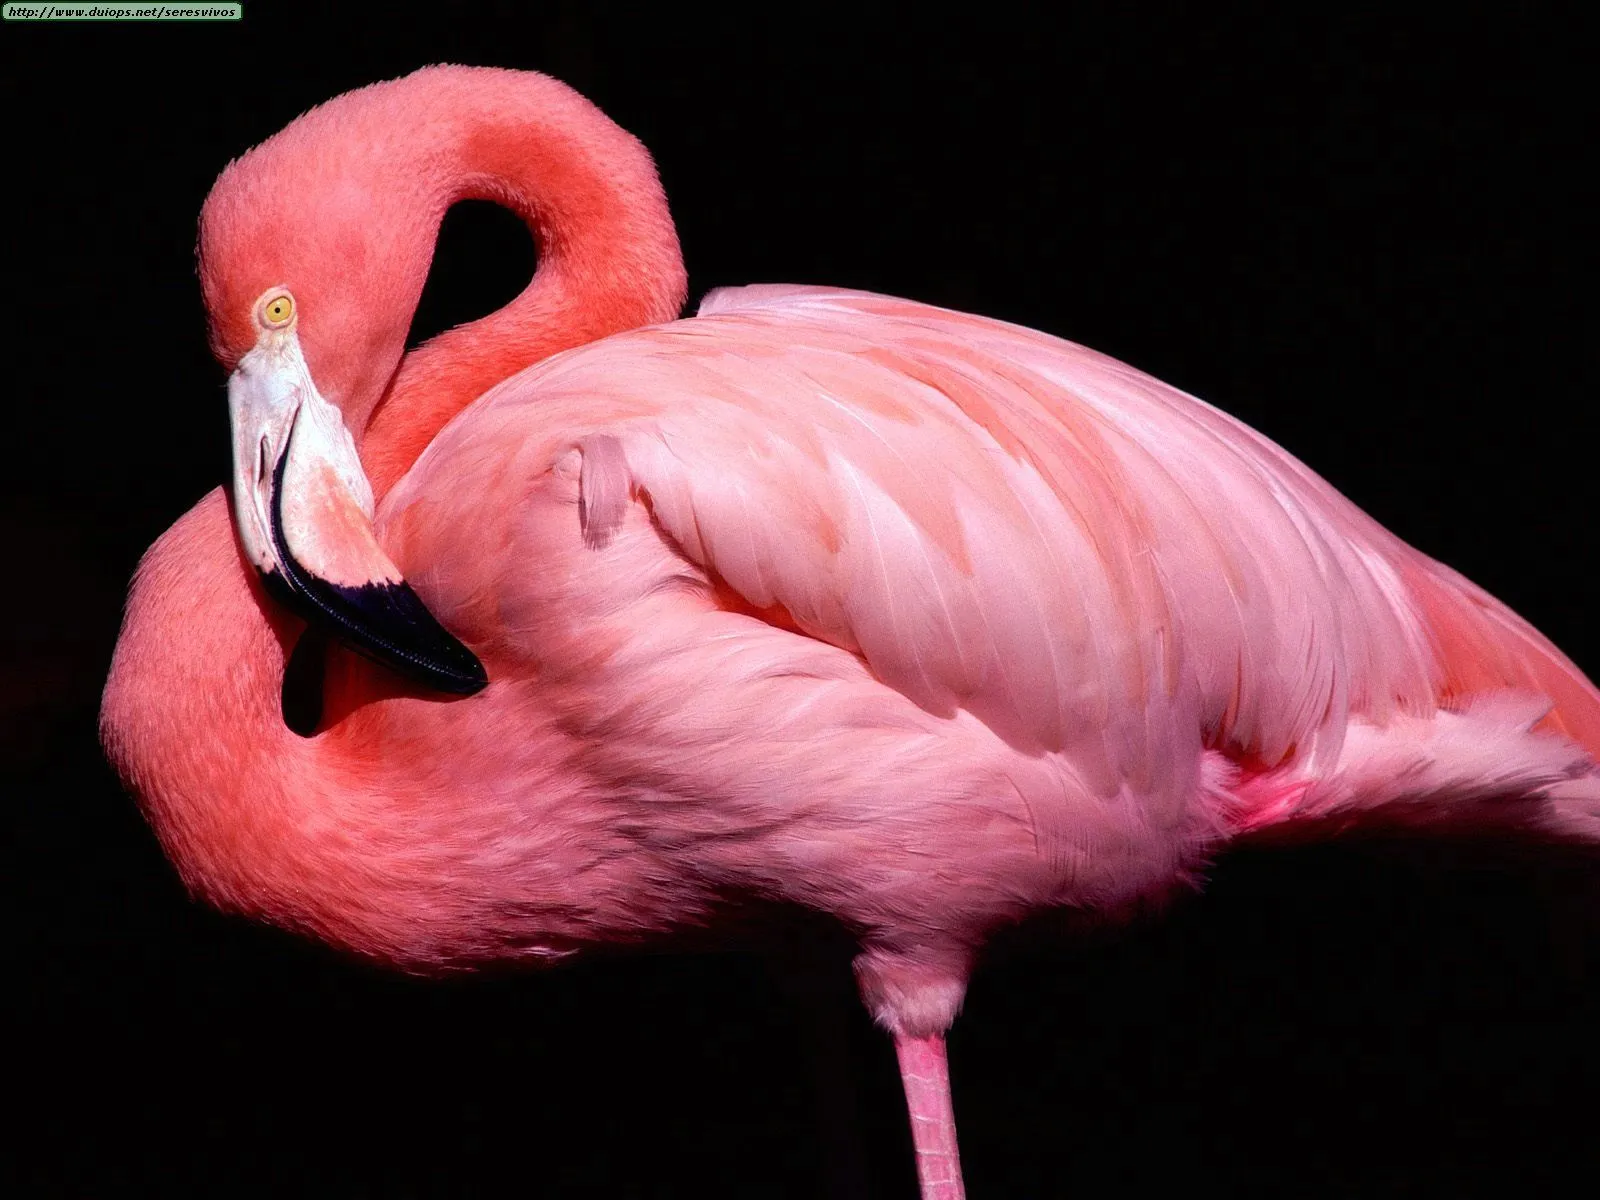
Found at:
[917, 619]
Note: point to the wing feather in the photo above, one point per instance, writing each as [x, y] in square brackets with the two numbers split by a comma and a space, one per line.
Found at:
[1091, 562]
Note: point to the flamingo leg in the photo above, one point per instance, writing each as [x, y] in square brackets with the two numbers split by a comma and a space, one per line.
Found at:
[925, 1074]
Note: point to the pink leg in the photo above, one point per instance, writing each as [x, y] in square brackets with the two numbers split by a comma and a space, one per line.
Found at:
[926, 1076]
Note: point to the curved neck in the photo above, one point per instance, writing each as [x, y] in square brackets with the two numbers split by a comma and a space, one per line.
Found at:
[376, 836]
[191, 703]
[609, 258]
[344, 207]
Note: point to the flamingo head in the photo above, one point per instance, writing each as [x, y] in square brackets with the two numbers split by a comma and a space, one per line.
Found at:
[310, 284]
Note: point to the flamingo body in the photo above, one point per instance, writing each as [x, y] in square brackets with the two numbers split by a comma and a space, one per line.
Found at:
[915, 618]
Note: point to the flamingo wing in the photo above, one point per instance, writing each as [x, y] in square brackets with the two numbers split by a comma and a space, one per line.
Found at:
[1089, 561]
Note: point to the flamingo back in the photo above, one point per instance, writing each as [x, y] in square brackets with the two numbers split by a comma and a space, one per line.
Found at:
[1094, 564]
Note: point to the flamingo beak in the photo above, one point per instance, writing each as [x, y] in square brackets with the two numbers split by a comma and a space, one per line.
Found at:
[303, 509]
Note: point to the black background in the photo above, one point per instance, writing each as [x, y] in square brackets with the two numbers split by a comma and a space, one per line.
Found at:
[1363, 239]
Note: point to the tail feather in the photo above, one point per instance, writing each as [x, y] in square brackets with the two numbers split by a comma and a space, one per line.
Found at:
[1487, 770]
[1510, 753]
[1484, 647]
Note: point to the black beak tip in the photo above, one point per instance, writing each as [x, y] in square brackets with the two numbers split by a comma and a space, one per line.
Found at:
[386, 622]
[463, 674]
[389, 623]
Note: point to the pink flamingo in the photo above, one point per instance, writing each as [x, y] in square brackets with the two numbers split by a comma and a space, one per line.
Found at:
[918, 619]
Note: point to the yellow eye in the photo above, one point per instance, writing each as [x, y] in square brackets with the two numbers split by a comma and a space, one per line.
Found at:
[278, 310]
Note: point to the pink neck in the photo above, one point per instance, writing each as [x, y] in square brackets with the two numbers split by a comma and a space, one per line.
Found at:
[190, 708]
[609, 258]
[345, 206]
[374, 835]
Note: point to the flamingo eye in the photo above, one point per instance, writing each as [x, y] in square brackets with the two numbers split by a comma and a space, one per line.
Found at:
[277, 310]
